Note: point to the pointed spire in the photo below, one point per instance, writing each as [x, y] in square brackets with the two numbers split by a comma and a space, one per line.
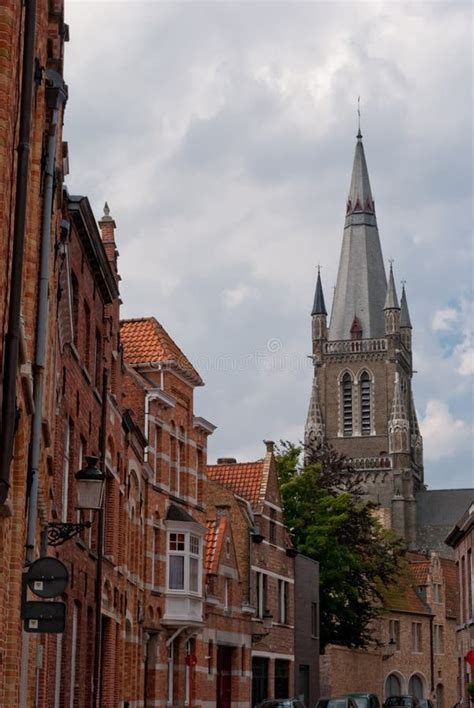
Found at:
[391, 299]
[360, 194]
[361, 280]
[314, 428]
[404, 313]
[319, 307]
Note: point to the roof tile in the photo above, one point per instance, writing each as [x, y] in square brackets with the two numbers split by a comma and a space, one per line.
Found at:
[146, 340]
[243, 478]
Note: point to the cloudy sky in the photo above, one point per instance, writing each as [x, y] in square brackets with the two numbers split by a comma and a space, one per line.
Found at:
[222, 136]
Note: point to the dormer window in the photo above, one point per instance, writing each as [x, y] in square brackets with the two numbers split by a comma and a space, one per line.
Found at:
[356, 329]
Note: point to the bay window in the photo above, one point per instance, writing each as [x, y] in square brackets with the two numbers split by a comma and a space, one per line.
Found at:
[184, 561]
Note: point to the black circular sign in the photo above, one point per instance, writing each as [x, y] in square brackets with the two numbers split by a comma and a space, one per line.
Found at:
[47, 577]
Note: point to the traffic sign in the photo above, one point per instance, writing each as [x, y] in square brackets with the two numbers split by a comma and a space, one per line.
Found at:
[44, 617]
[47, 577]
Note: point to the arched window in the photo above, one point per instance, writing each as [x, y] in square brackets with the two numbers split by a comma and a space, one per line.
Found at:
[415, 686]
[347, 405]
[365, 403]
[393, 686]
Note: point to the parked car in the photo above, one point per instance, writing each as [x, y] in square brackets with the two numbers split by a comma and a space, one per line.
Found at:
[281, 703]
[338, 702]
[425, 703]
[368, 700]
[405, 701]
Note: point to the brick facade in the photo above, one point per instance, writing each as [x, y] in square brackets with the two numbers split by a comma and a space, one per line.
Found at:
[461, 539]
[420, 616]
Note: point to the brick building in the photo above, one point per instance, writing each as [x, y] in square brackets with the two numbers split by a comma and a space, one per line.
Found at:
[31, 162]
[461, 539]
[417, 653]
[267, 563]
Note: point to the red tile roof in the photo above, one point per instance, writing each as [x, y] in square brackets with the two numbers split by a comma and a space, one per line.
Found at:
[145, 340]
[404, 598]
[419, 571]
[214, 540]
[243, 478]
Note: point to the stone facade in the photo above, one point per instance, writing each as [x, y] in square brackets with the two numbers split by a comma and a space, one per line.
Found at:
[361, 401]
[461, 539]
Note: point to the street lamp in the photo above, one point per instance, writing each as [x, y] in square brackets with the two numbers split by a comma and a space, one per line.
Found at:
[90, 483]
[267, 621]
[391, 647]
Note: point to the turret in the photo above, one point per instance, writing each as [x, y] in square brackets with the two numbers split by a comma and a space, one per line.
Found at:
[318, 316]
[398, 424]
[391, 307]
[405, 322]
[107, 231]
[314, 428]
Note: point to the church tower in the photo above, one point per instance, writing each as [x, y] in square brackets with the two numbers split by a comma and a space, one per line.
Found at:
[361, 399]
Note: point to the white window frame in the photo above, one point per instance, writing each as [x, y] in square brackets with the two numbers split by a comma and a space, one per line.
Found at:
[187, 554]
[416, 638]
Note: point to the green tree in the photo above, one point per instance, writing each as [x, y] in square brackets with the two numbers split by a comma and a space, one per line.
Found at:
[331, 522]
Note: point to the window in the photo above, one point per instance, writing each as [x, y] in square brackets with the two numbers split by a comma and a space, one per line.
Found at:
[421, 589]
[314, 620]
[261, 591]
[154, 555]
[87, 335]
[437, 592]
[283, 601]
[210, 654]
[66, 462]
[394, 633]
[365, 403]
[75, 308]
[416, 644]
[98, 359]
[226, 593]
[272, 526]
[282, 675]
[347, 405]
[184, 562]
[415, 686]
[392, 686]
[438, 638]
[158, 446]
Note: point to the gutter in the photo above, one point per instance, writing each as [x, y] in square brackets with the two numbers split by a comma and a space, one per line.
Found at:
[10, 362]
[56, 96]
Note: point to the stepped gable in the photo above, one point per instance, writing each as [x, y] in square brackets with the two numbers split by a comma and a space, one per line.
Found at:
[145, 340]
[245, 479]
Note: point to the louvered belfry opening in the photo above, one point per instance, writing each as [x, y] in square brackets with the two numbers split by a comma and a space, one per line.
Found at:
[365, 403]
[347, 404]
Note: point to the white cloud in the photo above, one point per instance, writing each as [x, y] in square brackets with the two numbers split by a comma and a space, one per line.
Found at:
[234, 297]
[443, 434]
[444, 319]
[464, 353]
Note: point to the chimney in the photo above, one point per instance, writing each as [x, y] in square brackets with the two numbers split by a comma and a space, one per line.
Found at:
[107, 230]
[269, 444]
[226, 461]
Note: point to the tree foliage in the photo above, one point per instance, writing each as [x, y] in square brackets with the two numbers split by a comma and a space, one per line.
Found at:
[331, 522]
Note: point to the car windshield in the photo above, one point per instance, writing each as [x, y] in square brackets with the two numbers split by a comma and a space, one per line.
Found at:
[337, 703]
[276, 704]
[361, 702]
[399, 701]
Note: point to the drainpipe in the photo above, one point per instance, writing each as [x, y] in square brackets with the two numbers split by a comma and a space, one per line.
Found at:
[97, 676]
[10, 362]
[431, 654]
[55, 97]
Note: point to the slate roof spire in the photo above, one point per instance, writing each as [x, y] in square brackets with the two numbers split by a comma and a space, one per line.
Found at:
[391, 299]
[404, 313]
[319, 307]
[361, 281]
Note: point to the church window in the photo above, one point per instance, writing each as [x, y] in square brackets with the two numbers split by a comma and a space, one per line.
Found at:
[365, 403]
[347, 404]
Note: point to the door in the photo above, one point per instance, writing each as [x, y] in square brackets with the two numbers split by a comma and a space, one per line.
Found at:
[224, 676]
[259, 679]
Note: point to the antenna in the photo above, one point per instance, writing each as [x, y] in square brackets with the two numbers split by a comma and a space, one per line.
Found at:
[359, 134]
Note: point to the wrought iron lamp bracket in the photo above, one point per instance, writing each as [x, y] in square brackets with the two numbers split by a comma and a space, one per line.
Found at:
[59, 533]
